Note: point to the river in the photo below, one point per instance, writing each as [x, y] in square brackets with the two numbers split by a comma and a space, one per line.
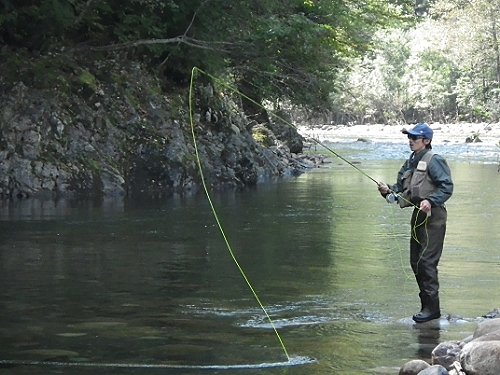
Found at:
[120, 287]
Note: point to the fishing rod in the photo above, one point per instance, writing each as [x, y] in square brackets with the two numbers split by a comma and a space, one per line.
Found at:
[391, 197]
[345, 160]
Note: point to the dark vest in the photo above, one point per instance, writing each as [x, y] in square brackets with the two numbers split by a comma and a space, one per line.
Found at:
[417, 184]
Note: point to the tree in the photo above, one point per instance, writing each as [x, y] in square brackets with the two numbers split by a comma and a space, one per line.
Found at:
[446, 68]
[273, 50]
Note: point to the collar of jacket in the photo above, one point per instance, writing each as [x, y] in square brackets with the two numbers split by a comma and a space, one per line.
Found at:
[415, 158]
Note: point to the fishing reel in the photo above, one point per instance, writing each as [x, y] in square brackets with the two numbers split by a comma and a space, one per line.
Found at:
[391, 197]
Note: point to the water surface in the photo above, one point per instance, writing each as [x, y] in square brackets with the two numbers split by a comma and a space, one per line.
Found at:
[153, 283]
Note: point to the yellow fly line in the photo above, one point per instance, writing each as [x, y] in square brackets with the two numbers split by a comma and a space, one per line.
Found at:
[194, 72]
[214, 211]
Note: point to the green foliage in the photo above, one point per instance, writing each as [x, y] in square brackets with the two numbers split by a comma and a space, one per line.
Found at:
[280, 49]
[35, 26]
[438, 71]
[305, 52]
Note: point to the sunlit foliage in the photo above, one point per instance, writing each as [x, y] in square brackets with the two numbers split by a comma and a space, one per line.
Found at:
[445, 69]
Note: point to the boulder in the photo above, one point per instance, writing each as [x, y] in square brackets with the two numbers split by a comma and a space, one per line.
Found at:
[490, 336]
[481, 358]
[486, 326]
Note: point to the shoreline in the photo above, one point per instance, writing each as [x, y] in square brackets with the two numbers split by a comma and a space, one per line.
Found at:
[488, 134]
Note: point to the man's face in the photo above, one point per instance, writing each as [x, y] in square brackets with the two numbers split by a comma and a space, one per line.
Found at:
[417, 143]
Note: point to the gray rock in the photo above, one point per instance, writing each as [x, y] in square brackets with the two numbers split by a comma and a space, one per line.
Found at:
[21, 172]
[112, 182]
[481, 358]
[413, 367]
[30, 144]
[57, 125]
[490, 336]
[446, 353]
[130, 140]
[495, 313]
[434, 370]
[486, 326]
[363, 140]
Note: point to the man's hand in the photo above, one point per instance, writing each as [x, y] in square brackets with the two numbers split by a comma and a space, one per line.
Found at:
[383, 188]
[425, 206]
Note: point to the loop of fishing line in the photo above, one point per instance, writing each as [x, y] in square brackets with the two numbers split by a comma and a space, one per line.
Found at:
[196, 70]
[415, 236]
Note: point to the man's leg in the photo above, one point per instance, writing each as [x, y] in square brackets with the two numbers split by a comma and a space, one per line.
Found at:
[426, 247]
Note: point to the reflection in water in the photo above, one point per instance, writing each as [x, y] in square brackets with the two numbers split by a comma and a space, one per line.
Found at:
[428, 335]
[152, 282]
[47, 209]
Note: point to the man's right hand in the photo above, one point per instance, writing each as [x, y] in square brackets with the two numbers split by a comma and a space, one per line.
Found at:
[383, 188]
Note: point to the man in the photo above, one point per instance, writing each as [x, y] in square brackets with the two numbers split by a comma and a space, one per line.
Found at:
[424, 183]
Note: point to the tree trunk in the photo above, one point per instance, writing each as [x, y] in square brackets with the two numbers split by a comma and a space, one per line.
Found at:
[496, 47]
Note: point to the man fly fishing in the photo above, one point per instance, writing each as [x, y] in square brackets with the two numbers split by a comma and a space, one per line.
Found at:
[424, 183]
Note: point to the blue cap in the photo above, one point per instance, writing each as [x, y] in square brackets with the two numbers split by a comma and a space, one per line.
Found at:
[420, 130]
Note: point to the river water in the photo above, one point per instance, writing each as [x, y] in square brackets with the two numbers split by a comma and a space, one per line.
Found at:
[150, 287]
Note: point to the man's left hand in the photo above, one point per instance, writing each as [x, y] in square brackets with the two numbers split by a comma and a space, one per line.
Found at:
[425, 206]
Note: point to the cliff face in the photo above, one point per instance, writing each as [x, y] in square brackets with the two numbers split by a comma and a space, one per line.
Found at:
[108, 129]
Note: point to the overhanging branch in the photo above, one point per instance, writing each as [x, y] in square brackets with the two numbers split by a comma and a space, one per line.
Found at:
[215, 46]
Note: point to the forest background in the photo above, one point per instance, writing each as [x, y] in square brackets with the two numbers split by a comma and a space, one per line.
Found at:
[91, 89]
[341, 60]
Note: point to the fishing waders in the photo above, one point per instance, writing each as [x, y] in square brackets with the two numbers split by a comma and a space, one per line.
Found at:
[426, 246]
[430, 309]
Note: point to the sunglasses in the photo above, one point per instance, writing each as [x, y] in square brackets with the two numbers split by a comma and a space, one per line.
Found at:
[415, 137]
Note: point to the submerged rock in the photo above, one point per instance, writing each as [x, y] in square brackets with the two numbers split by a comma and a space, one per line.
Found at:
[413, 367]
[434, 370]
[486, 327]
[495, 313]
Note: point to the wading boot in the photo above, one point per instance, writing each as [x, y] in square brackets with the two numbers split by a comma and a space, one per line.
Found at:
[430, 309]
[423, 302]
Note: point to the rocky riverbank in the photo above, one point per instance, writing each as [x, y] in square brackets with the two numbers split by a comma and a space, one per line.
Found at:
[72, 128]
[478, 354]
[109, 128]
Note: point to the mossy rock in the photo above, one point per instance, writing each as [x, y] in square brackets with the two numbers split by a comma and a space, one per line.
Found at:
[263, 136]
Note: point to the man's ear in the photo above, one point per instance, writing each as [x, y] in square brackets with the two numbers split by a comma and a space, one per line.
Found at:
[426, 141]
